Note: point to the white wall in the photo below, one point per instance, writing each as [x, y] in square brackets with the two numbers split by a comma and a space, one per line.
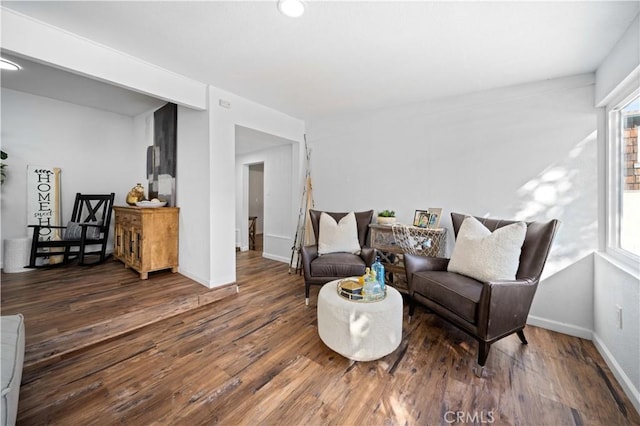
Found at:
[526, 152]
[279, 194]
[618, 287]
[96, 150]
[222, 164]
[617, 284]
[193, 195]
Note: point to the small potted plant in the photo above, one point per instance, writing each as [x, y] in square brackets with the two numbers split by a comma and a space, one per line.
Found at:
[386, 217]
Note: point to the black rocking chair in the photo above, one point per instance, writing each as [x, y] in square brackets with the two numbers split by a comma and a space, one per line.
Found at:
[89, 226]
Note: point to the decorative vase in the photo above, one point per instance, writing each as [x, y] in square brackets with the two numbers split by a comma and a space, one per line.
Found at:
[135, 195]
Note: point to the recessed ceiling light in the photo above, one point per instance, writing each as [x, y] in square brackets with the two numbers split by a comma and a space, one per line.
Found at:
[6, 64]
[291, 8]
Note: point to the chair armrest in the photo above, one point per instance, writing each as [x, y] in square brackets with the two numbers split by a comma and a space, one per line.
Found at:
[95, 225]
[414, 263]
[368, 254]
[505, 305]
[308, 254]
[512, 283]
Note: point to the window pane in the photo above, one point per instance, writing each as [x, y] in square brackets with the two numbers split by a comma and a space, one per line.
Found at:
[630, 171]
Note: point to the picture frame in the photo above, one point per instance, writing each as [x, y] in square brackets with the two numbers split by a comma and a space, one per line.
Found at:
[421, 219]
[434, 217]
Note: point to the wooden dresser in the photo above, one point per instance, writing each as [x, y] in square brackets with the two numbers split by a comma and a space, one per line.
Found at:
[146, 239]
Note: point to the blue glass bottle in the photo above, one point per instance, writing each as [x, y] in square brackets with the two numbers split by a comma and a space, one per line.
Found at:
[379, 269]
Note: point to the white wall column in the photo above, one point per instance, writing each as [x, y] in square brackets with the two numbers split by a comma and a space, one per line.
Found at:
[222, 164]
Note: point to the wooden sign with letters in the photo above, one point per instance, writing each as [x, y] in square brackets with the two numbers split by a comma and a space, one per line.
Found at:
[43, 199]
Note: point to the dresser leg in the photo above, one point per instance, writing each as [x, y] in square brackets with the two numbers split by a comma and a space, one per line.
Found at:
[174, 269]
[144, 275]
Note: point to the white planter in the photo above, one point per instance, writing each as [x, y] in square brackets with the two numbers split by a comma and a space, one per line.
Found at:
[16, 255]
[386, 220]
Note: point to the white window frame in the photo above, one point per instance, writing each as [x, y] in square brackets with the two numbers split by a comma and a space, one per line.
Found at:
[614, 181]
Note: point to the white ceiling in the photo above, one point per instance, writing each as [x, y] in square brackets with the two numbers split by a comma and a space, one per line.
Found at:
[351, 56]
[249, 140]
[43, 80]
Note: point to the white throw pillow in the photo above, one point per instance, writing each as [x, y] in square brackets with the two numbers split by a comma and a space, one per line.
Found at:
[487, 256]
[338, 237]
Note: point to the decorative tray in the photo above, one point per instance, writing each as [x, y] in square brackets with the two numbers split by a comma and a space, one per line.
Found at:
[351, 289]
[151, 204]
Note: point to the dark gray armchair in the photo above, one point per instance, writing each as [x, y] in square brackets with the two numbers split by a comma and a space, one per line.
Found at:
[487, 311]
[328, 267]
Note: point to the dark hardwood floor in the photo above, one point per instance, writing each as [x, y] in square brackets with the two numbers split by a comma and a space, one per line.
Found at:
[193, 356]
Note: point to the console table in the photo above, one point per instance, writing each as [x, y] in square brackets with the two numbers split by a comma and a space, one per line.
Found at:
[392, 241]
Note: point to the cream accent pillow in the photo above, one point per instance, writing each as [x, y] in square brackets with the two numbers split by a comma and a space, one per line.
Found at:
[338, 237]
[487, 256]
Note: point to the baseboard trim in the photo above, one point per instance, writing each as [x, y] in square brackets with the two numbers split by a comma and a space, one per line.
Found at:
[560, 327]
[193, 277]
[275, 257]
[625, 382]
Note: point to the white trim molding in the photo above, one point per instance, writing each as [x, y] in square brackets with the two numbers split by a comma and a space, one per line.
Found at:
[625, 382]
[560, 327]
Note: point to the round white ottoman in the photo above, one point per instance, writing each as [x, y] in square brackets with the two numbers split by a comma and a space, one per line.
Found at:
[361, 331]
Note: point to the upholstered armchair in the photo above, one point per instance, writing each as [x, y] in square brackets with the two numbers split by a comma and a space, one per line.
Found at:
[320, 269]
[486, 309]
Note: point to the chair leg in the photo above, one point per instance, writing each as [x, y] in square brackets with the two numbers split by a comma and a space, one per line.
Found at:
[306, 293]
[81, 255]
[483, 353]
[523, 339]
[103, 253]
[412, 308]
[34, 250]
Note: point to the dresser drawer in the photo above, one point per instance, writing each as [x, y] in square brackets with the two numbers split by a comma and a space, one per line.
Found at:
[128, 219]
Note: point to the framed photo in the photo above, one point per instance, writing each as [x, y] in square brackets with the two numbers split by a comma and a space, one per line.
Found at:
[421, 219]
[434, 217]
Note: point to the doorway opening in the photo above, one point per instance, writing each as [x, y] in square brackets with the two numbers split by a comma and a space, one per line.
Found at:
[268, 166]
[256, 206]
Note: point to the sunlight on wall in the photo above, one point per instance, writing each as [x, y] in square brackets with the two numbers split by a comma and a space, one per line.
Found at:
[566, 190]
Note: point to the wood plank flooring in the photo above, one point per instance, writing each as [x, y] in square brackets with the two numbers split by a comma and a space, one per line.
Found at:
[70, 307]
[255, 358]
